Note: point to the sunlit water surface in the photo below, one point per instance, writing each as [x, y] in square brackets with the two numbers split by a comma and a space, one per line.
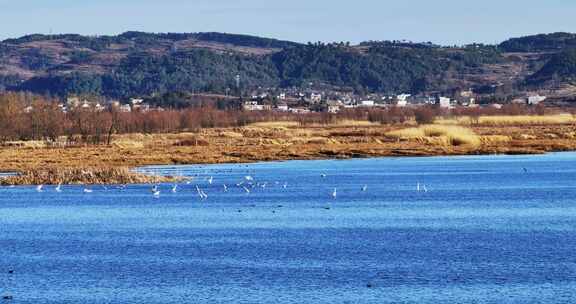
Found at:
[489, 229]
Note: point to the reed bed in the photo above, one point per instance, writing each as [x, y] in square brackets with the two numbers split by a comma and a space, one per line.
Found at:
[275, 124]
[510, 120]
[454, 135]
[79, 176]
[495, 139]
[409, 133]
[355, 123]
[527, 120]
[249, 144]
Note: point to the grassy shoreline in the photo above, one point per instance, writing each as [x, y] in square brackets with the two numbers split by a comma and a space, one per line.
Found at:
[276, 142]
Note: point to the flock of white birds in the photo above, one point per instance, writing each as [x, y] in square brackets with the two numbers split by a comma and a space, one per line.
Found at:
[247, 184]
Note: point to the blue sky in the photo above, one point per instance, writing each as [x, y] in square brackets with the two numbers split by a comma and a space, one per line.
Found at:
[439, 21]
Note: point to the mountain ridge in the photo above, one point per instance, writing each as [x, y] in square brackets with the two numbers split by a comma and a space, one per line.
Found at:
[138, 63]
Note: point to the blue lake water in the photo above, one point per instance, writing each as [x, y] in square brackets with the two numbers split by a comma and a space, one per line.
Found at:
[488, 229]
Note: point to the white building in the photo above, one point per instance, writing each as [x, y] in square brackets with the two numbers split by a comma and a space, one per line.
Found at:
[315, 97]
[252, 106]
[72, 101]
[444, 102]
[402, 100]
[366, 103]
[282, 107]
[136, 101]
[333, 106]
[535, 99]
[300, 110]
[125, 108]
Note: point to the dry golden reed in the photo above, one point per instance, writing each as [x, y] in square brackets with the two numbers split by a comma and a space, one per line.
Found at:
[510, 120]
[90, 176]
[454, 135]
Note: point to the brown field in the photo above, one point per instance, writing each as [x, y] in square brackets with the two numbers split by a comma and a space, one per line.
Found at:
[286, 141]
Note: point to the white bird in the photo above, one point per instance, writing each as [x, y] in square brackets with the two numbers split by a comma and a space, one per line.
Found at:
[210, 179]
[156, 194]
[39, 188]
[201, 193]
[285, 185]
[364, 188]
[87, 190]
[154, 189]
[334, 193]
[249, 178]
[418, 187]
[225, 188]
[59, 188]
[174, 188]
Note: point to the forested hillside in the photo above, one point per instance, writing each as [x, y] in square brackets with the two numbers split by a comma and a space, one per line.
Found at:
[143, 64]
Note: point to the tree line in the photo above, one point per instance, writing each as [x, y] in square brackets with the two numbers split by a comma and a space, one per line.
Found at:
[25, 116]
[32, 117]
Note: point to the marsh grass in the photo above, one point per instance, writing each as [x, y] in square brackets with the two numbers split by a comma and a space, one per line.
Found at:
[495, 139]
[510, 120]
[409, 133]
[78, 176]
[275, 124]
[453, 135]
[355, 123]
[249, 144]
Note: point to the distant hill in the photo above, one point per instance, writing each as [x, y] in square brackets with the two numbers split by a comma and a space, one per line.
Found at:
[540, 43]
[143, 64]
[142, 39]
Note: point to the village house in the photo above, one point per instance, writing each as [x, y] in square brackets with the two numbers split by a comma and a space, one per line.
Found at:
[366, 103]
[333, 106]
[423, 100]
[444, 102]
[299, 110]
[401, 100]
[252, 106]
[138, 104]
[315, 97]
[136, 101]
[535, 99]
[72, 101]
[282, 107]
[98, 107]
[347, 99]
[465, 98]
[125, 108]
